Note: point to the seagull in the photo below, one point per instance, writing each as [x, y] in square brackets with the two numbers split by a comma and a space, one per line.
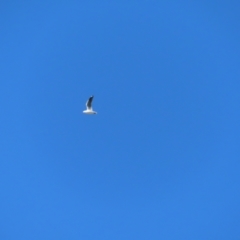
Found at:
[89, 109]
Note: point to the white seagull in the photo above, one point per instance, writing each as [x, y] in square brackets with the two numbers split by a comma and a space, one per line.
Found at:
[89, 109]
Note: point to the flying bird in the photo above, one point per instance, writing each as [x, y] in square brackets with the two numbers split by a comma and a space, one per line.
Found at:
[89, 109]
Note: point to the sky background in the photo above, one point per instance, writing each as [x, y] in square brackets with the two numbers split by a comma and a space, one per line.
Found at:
[160, 160]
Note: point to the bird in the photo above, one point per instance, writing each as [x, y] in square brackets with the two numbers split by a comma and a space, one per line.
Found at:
[89, 109]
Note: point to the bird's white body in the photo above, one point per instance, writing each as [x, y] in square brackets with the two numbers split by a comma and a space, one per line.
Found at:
[89, 109]
[89, 112]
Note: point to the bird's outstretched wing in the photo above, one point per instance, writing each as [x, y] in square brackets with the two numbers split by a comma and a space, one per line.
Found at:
[89, 103]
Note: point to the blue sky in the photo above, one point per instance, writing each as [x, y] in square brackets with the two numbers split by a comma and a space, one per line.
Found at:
[160, 160]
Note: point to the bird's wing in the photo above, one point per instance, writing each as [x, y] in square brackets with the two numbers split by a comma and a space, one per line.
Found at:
[89, 103]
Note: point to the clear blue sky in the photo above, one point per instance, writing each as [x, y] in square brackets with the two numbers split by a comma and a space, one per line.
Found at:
[160, 160]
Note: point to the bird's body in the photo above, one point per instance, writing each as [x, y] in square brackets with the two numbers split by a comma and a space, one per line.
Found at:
[89, 112]
[89, 109]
